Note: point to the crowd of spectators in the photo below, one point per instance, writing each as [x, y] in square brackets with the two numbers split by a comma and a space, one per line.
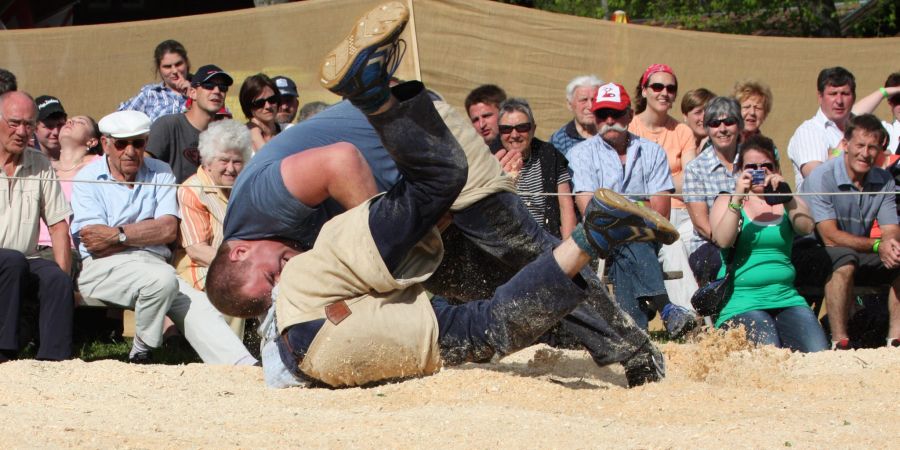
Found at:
[172, 151]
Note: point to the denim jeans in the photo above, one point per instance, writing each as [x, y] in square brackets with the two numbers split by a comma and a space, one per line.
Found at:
[635, 273]
[796, 328]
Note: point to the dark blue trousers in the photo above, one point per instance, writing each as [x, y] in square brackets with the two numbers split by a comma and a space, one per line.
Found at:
[26, 281]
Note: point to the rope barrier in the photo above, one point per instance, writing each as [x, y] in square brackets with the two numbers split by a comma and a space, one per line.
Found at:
[522, 194]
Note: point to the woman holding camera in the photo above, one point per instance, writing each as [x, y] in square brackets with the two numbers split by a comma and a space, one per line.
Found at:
[755, 233]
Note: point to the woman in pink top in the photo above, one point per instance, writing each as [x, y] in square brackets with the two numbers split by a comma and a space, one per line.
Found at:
[76, 139]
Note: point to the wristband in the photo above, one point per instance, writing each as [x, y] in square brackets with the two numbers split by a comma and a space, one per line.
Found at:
[835, 152]
[735, 206]
[884, 92]
[876, 245]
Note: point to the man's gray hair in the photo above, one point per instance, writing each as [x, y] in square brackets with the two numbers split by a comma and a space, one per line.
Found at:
[723, 108]
[310, 109]
[223, 136]
[579, 81]
[516, 105]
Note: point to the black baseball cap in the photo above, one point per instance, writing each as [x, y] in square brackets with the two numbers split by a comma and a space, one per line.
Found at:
[48, 106]
[209, 71]
[286, 86]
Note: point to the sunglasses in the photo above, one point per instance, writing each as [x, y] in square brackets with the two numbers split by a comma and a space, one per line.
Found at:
[768, 166]
[209, 85]
[728, 121]
[521, 128]
[259, 103]
[122, 144]
[658, 87]
[605, 113]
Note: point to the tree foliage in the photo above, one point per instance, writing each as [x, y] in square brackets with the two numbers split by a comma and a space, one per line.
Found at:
[819, 18]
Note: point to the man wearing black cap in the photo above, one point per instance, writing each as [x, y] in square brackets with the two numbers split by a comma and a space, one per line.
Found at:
[174, 138]
[287, 106]
[51, 118]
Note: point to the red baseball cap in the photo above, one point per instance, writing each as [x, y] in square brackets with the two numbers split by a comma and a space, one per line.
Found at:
[612, 96]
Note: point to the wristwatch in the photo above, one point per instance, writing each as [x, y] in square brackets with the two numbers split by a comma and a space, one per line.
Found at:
[122, 236]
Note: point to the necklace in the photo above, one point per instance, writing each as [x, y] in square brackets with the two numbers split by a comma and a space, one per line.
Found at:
[78, 163]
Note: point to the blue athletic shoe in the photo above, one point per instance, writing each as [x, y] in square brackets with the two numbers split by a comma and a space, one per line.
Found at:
[361, 66]
[611, 219]
[678, 320]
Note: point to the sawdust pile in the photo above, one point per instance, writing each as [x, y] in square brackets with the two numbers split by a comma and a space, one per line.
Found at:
[720, 392]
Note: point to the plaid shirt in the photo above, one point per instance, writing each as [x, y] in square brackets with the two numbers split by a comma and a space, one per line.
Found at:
[155, 100]
[704, 177]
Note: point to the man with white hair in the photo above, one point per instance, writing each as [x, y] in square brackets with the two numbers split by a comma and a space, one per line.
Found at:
[626, 163]
[123, 228]
[579, 93]
[24, 276]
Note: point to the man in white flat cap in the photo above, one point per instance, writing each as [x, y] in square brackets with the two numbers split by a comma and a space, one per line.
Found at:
[122, 231]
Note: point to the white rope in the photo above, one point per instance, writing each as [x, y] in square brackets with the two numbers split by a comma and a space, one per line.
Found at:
[522, 194]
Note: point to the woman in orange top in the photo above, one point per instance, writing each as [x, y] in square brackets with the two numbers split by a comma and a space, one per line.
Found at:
[654, 96]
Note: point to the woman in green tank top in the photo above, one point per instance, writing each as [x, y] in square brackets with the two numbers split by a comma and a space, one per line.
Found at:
[764, 299]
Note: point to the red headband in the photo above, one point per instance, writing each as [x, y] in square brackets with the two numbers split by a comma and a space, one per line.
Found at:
[654, 68]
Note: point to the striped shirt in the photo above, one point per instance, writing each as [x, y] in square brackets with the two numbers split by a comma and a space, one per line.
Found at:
[566, 137]
[530, 182]
[155, 100]
[202, 213]
[813, 141]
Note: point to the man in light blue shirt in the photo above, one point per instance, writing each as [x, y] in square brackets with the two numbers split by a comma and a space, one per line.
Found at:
[621, 161]
[122, 231]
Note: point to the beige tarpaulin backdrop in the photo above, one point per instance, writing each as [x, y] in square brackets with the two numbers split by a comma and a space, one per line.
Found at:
[454, 45]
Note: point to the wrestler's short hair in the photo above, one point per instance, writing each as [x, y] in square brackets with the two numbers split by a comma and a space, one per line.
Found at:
[224, 282]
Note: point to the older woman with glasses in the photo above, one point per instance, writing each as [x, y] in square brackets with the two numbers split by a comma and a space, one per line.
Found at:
[203, 198]
[259, 101]
[756, 234]
[706, 176]
[539, 168]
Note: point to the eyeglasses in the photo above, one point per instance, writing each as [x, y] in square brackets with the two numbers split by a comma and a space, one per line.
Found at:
[209, 85]
[605, 113]
[122, 144]
[260, 102]
[520, 127]
[658, 87]
[768, 166]
[728, 121]
[16, 123]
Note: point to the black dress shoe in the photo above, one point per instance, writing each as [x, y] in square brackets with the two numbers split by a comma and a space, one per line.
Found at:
[141, 358]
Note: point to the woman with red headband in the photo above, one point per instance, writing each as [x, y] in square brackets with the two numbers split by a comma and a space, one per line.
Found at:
[654, 96]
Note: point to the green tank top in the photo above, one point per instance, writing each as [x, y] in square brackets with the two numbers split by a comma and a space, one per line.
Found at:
[763, 273]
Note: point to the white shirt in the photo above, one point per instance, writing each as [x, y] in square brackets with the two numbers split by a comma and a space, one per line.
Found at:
[893, 129]
[813, 141]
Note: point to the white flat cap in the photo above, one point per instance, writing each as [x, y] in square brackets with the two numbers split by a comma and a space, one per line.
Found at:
[124, 124]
